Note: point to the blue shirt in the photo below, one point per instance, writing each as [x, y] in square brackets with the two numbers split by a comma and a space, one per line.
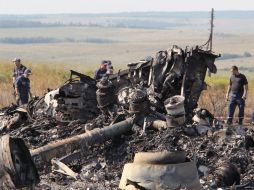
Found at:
[100, 73]
[23, 85]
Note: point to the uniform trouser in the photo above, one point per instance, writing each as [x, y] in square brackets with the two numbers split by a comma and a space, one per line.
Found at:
[24, 97]
[236, 100]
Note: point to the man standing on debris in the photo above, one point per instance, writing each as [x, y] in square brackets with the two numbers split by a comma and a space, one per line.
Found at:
[101, 72]
[236, 95]
[22, 88]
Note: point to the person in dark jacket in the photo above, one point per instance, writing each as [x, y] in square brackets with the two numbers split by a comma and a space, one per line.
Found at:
[22, 88]
[101, 72]
[236, 95]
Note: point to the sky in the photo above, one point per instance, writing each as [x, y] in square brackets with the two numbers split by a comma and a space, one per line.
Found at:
[109, 6]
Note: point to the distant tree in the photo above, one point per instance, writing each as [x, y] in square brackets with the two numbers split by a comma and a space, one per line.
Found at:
[247, 54]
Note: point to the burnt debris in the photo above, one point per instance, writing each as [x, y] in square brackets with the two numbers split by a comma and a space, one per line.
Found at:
[88, 130]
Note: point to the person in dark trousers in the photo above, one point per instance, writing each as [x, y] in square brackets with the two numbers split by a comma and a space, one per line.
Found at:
[22, 87]
[236, 95]
[101, 72]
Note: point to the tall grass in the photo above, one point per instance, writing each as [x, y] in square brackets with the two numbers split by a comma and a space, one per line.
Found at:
[51, 75]
[214, 98]
[43, 76]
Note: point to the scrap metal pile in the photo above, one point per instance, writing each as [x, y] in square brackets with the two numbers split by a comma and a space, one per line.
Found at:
[140, 128]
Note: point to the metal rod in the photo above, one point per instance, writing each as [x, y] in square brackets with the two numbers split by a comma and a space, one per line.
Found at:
[66, 146]
[211, 35]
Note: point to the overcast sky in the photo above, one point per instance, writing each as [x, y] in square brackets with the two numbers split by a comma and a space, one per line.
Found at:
[102, 6]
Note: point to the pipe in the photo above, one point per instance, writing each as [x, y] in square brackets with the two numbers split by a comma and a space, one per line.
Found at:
[66, 146]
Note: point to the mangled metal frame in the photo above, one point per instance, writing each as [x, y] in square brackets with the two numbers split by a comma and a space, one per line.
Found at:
[172, 72]
[74, 100]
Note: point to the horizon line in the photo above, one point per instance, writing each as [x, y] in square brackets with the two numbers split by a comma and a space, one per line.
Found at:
[124, 12]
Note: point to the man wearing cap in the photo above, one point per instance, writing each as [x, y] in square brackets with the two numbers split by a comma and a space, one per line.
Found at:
[22, 88]
[101, 72]
[18, 70]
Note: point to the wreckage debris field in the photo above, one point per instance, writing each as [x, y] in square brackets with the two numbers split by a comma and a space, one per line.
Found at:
[100, 166]
[84, 134]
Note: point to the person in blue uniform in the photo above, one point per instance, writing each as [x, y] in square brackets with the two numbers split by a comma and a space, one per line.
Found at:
[101, 72]
[22, 88]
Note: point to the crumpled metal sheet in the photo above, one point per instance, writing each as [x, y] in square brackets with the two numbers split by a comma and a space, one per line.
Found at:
[157, 173]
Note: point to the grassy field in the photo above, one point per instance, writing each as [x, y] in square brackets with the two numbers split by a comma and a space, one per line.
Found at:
[49, 75]
[80, 42]
[85, 44]
[214, 99]
[44, 76]
[128, 44]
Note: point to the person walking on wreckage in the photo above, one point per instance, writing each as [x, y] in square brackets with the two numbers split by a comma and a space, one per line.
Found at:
[22, 88]
[236, 95]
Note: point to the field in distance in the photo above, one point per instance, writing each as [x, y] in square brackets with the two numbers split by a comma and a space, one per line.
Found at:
[53, 44]
[86, 39]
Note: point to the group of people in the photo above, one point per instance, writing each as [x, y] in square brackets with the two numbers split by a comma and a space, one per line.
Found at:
[105, 69]
[236, 93]
[21, 82]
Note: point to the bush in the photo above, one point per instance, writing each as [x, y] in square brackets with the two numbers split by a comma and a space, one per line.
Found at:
[229, 56]
[247, 54]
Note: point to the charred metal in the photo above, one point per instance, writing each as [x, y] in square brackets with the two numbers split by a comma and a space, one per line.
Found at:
[89, 130]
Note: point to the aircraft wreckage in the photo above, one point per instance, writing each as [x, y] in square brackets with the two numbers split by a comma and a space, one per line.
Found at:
[148, 110]
[140, 128]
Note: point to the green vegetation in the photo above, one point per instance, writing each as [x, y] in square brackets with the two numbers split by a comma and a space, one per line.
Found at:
[43, 76]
